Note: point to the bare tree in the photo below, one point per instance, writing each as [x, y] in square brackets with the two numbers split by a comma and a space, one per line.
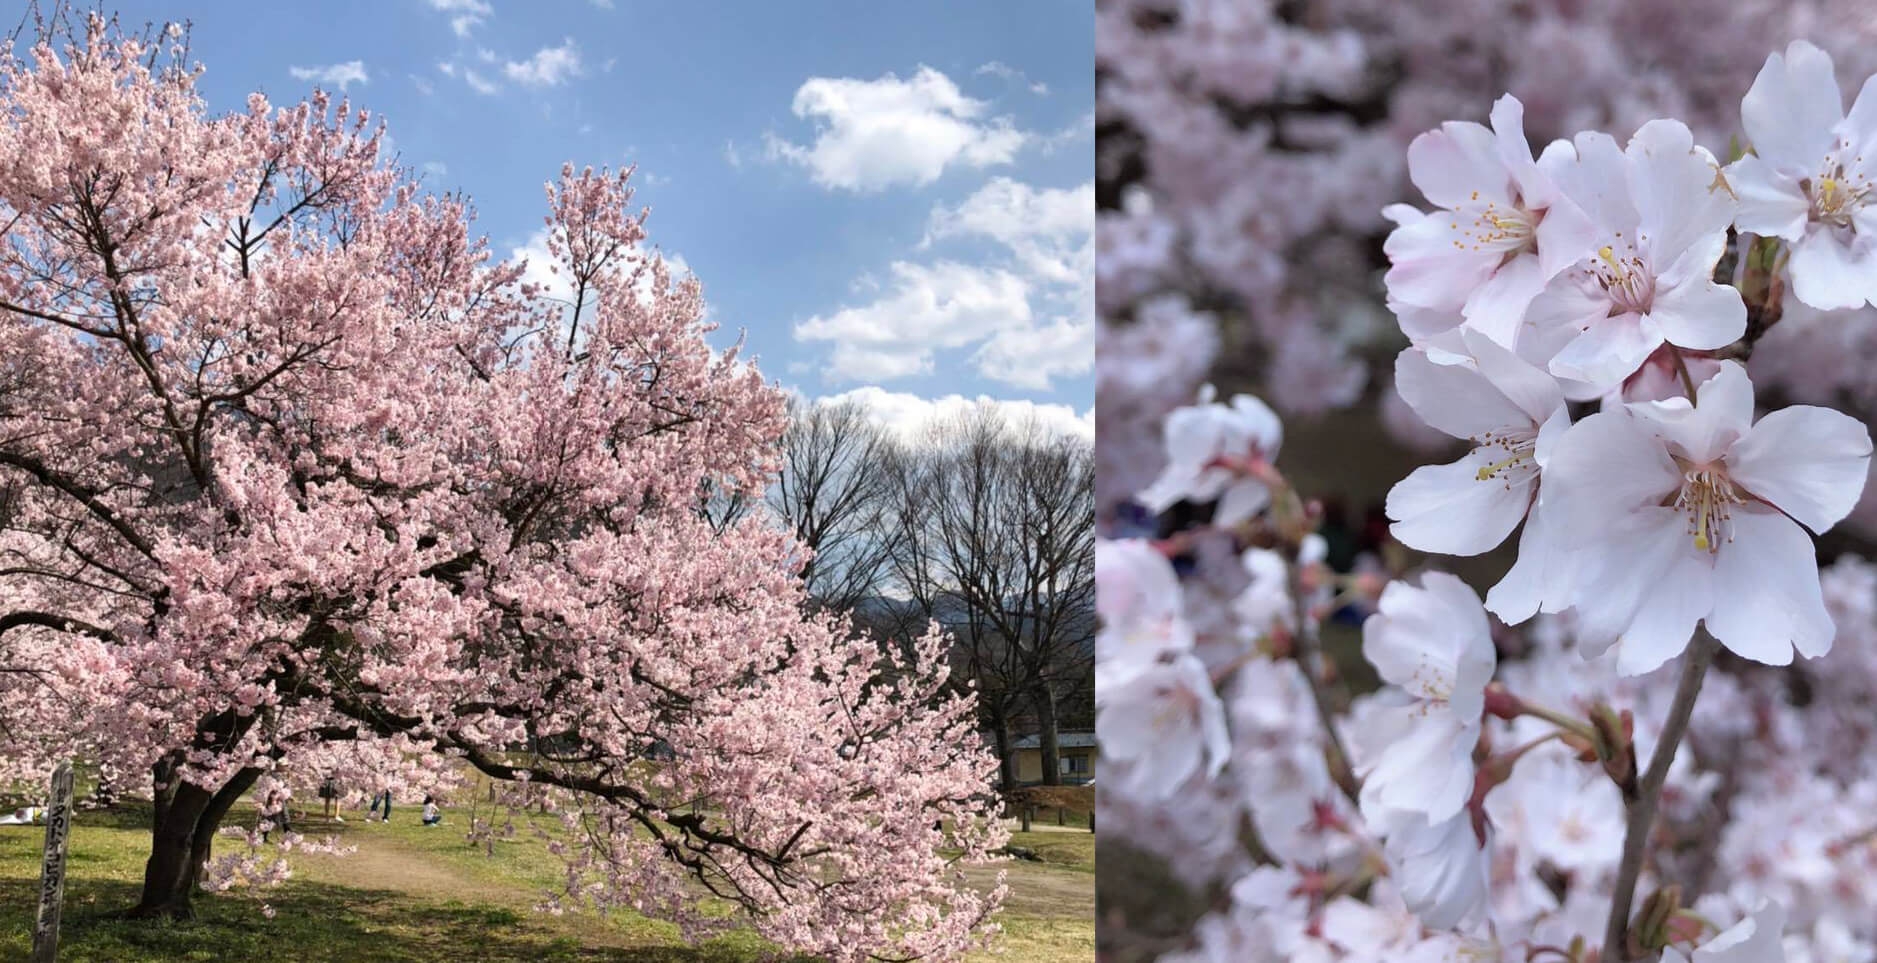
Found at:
[995, 540]
[984, 524]
[833, 494]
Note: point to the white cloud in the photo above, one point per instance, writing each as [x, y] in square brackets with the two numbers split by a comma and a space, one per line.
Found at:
[479, 83]
[602, 4]
[910, 416]
[448, 68]
[465, 14]
[731, 154]
[923, 308]
[549, 67]
[1051, 234]
[334, 75]
[435, 168]
[998, 68]
[1079, 130]
[1033, 355]
[874, 134]
[1048, 229]
[423, 86]
[1030, 312]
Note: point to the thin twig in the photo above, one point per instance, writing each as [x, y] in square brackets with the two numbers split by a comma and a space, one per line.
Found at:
[1641, 807]
[1310, 659]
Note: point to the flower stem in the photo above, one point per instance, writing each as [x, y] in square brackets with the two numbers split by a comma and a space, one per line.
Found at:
[1641, 808]
[1576, 727]
[1681, 368]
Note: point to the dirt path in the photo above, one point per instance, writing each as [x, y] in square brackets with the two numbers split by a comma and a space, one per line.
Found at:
[387, 862]
[1041, 891]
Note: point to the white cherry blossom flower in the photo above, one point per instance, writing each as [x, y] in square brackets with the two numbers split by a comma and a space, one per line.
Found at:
[1433, 648]
[1809, 178]
[1661, 212]
[1500, 229]
[1208, 447]
[1440, 867]
[1755, 939]
[1512, 412]
[1138, 599]
[1567, 814]
[1164, 723]
[1692, 513]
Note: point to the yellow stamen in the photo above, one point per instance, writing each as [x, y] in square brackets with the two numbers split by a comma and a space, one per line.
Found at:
[1608, 254]
[1494, 468]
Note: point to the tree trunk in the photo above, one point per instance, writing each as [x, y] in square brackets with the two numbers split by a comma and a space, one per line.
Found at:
[1006, 758]
[1045, 701]
[183, 829]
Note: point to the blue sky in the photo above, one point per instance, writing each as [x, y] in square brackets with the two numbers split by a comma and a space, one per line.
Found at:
[892, 198]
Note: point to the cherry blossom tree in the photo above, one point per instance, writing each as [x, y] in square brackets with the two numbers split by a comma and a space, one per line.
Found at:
[292, 461]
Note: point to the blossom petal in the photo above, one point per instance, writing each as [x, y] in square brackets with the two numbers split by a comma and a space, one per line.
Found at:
[1767, 598]
[1601, 470]
[1690, 309]
[1808, 462]
[1471, 635]
[1599, 181]
[1609, 351]
[1535, 576]
[1790, 110]
[1672, 181]
[1454, 398]
[1614, 598]
[1531, 388]
[1407, 641]
[1497, 307]
[1665, 620]
[1458, 164]
[1450, 510]
[1703, 432]
[1427, 270]
[1828, 273]
[1245, 498]
[1566, 308]
[1426, 764]
[1771, 203]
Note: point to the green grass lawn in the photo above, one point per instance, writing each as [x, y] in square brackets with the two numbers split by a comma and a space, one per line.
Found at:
[421, 894]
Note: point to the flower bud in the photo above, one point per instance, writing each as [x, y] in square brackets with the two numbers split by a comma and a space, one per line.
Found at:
[1653, 926]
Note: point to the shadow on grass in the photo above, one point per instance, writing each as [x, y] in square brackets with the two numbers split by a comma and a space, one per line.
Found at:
[315, 922]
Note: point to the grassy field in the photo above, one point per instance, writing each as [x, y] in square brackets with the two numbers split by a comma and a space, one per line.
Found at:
[415, 895]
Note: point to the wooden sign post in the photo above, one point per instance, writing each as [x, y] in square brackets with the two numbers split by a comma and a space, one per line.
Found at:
[52, 876]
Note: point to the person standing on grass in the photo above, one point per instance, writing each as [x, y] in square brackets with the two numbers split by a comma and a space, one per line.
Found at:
[383, 796]
[432, 815]
[329, 792]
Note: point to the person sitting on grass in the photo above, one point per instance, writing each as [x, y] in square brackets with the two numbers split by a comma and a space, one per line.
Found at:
[432, 815]
[274, 811]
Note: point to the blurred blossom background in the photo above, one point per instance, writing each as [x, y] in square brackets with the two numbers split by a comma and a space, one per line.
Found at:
[1245, 150]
